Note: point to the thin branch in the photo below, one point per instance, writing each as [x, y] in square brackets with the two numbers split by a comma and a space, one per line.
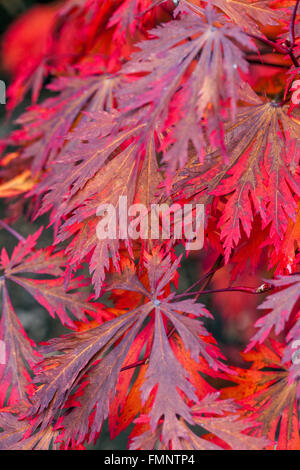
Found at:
[293, 58]
[12, 231]
[290, 52]
[274, 45]
[290, 44]
[247, 290]
[215, 267]
[207, 278]
[292, 24]
[219, 261]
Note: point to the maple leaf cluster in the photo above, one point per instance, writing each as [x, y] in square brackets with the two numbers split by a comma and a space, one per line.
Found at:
[186, 102]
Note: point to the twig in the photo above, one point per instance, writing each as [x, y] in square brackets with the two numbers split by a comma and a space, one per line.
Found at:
[12, 231]
[274, 45]
[285, 48]
[291, 43]
[292, 24]
[215, 267]
[247, 290]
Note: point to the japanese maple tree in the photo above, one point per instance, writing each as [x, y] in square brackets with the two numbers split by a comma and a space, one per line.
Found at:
[184, 102]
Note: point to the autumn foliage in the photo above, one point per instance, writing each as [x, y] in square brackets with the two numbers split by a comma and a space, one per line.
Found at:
[161, 102]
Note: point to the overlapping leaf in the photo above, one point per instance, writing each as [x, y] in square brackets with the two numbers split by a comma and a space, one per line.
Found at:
[14, 429]
[250, 13]
[45, 127]
[281, 304]
[268, 397]
[262, 175]
[190, 69]
[91, 182]
[85, 359]
[53, 294]
[17, 355]
[217, 426]
[228, 431]
[119, 120]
